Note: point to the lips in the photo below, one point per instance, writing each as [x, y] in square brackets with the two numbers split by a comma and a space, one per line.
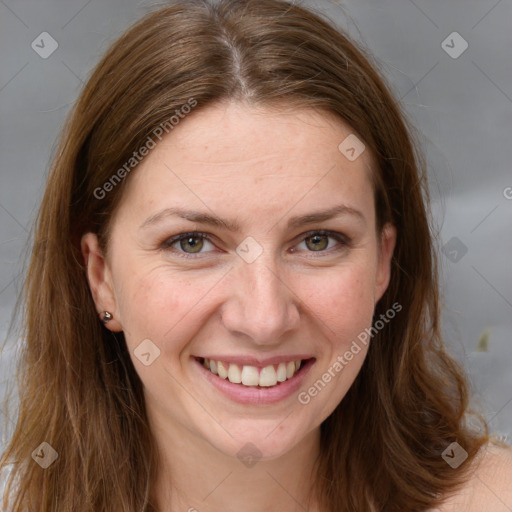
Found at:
[254, 393]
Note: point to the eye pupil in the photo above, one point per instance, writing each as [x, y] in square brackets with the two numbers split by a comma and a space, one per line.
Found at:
[196, 247]
[316, 240]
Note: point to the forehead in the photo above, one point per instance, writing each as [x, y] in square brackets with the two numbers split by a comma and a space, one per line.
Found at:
[230, 132]
[231, 154]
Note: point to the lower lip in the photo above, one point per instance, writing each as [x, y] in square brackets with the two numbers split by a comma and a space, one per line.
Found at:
[255, 395]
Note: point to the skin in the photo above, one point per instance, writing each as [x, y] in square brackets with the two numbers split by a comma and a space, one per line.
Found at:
[489, 486]
[258, 167]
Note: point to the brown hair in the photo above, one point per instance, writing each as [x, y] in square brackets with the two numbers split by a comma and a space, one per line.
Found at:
[78, 388]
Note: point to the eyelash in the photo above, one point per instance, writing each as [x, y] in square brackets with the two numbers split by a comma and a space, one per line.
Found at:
[343, 240]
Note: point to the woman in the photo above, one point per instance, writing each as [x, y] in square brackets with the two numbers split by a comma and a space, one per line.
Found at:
[232, 302]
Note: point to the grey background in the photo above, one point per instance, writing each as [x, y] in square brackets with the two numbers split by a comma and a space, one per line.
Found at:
[461, 106]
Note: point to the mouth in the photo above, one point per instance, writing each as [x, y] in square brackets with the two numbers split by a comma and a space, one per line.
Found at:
[254, 376]
[251, 384]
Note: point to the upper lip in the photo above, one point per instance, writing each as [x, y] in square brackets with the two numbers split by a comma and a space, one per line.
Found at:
[257, 361]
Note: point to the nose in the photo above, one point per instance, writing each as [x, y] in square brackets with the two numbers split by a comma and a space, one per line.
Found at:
[262, 304]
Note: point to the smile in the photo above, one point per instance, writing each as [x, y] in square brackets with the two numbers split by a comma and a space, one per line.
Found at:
[255, 384]
[247, 375]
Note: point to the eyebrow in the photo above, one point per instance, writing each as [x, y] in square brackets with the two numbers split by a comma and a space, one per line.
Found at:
[230, 225]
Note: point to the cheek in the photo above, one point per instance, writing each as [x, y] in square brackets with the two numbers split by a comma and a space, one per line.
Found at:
[344, 302]
[158, 304]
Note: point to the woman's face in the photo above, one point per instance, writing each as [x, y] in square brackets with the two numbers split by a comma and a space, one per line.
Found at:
[281, 263]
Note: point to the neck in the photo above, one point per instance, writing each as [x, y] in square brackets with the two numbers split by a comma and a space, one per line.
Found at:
[194, 476]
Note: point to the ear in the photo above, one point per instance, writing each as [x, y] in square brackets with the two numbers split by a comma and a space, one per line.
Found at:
[99, 278]
[387, 246]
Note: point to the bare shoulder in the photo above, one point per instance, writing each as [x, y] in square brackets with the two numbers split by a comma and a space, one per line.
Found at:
[489, 486]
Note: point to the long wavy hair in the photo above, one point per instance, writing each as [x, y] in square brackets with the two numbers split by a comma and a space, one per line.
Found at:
[78, 389]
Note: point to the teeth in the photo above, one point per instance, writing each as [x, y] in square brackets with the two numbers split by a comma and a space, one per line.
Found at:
[290, 369]
[268, 376]
[251, 375]
[234, 374]
[281, 372]
[221, 369]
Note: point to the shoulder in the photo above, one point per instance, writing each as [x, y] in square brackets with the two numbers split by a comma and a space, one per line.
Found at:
[489, 484]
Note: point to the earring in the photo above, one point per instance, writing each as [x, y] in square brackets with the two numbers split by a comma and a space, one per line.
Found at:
[106, 317]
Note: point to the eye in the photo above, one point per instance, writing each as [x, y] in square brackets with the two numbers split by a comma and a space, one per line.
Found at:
[318, 241]
[188, 243]
[191, 243]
